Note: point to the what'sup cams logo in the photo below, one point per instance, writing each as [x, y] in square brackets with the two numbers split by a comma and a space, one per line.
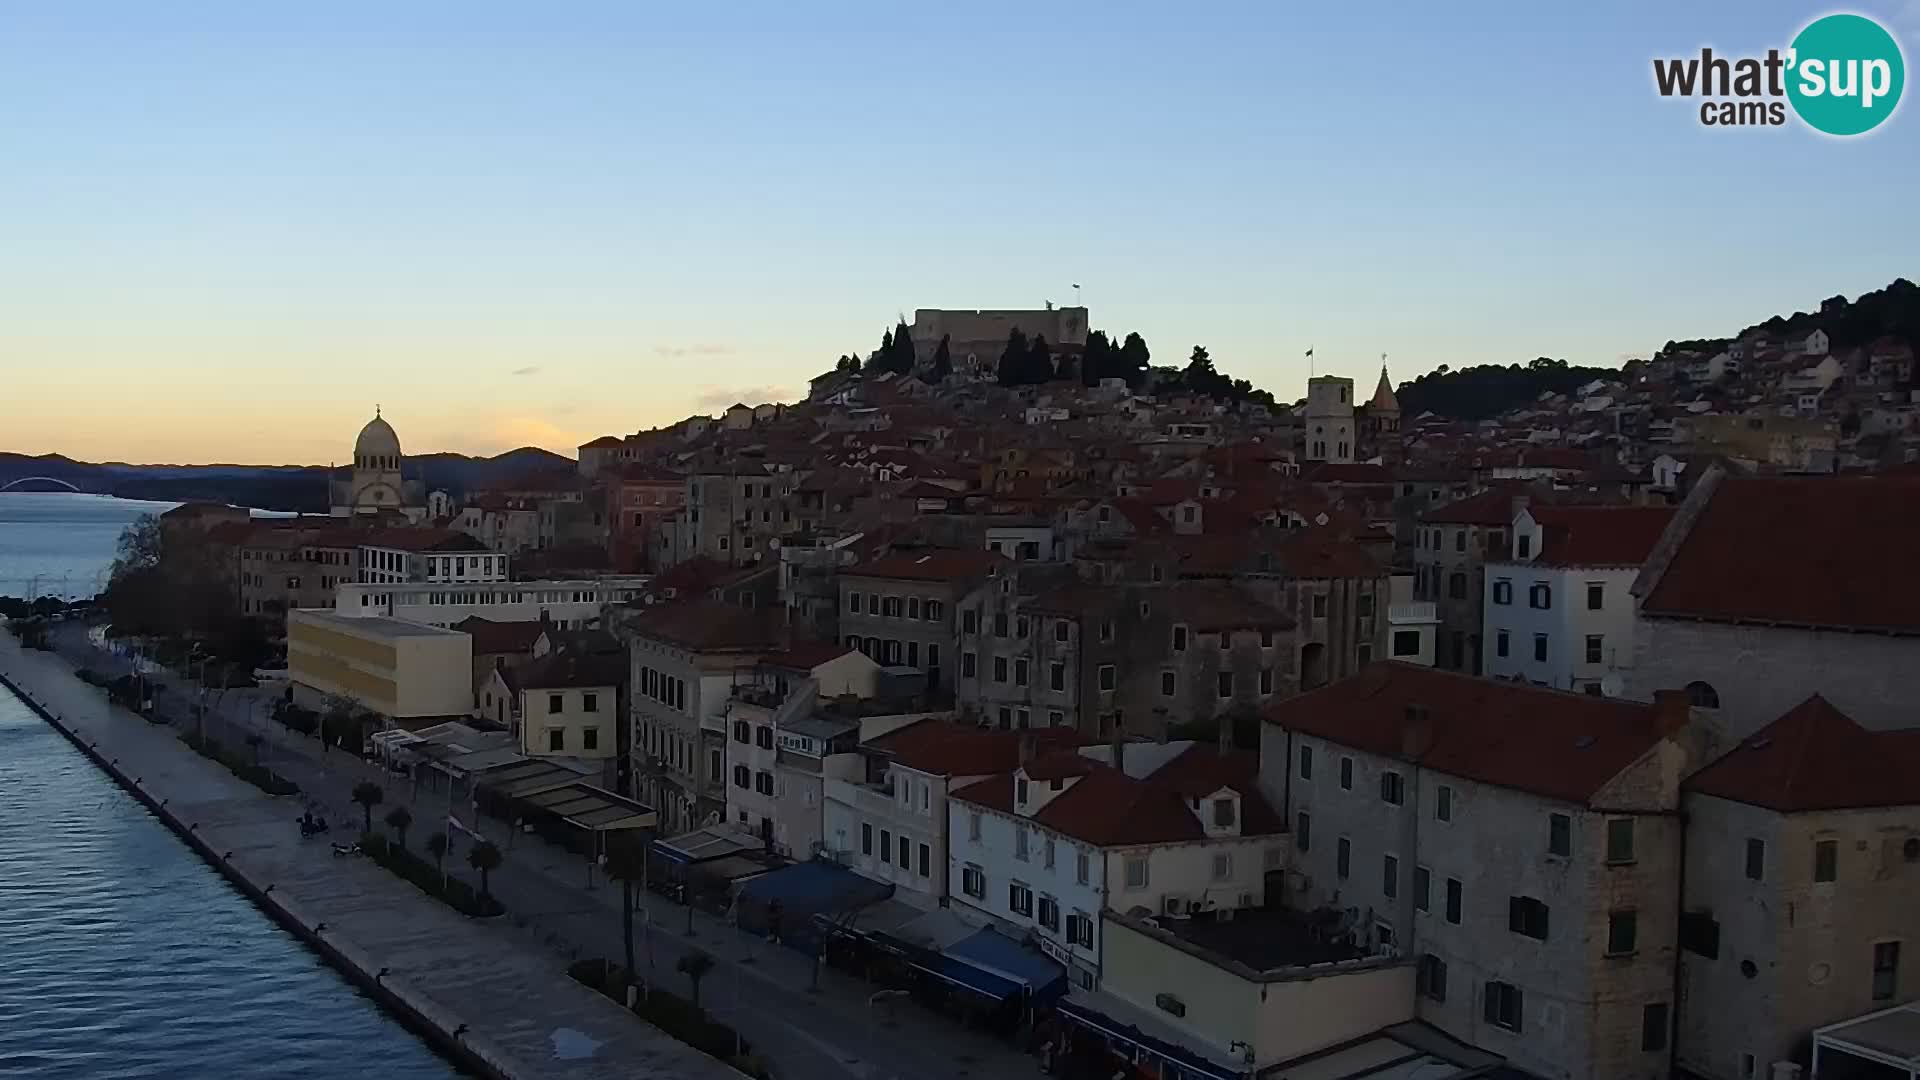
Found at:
[1842, 76]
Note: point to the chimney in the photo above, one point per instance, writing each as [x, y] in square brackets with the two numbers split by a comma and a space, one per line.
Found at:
[1671, 711]
[1119, 747]
[1416, 733]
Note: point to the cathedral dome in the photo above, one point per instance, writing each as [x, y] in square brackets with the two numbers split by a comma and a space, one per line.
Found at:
[377, 440]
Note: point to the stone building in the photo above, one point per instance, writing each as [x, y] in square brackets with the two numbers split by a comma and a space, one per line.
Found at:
[1328, 420]
[902, 608]
[975, 339]
[377, 483]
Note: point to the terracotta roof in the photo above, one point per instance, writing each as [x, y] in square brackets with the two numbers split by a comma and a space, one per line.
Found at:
[421, 540]
[1553, 743]
[946, 749]
[1599, 535]
[1322, 553]
[1817, 758]
[575, 669]
[604, 442]
[939, 564]
[690, 576]
[807, 655]
[1491, 508]
[708, 625]
[1803, 551]
[499, 637]
[1108, 808]
[1358, 473]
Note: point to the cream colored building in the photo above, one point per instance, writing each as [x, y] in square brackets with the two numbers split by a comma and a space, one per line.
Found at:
[401, 670]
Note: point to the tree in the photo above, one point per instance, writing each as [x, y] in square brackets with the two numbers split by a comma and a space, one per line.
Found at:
[1013, 358]
[901, 357]
[1039, 362]
[942, 360]
[624, 855]
[1098, 360]
[437, 847]
[368, 795]
[399, 818]
[485, 858]
[1134, 359]
[695, 964]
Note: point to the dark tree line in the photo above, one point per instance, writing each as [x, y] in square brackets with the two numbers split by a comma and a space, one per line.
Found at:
[1201, 377]
[1488, 390]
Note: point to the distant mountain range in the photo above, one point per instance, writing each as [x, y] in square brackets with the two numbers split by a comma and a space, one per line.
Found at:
[267, 487]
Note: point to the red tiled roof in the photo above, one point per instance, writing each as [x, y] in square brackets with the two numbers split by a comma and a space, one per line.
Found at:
[939, 564]
[1106, 807]
[689, 576]
[574, 669]
[1322, 553]
[1492, 508]
[1803, 551]
[500, 637]
[1553, 743]
[945, 749]
[1599, 535]
[430, 539]
[709, 625]
[1817, 758]
[807, 655]
[604, 442]
[1358, 473]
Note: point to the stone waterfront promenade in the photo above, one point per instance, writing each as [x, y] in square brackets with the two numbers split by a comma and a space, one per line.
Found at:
[496, 1001]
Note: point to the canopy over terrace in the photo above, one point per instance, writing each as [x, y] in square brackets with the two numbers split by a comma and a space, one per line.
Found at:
[557, 790]
[1879, 1044]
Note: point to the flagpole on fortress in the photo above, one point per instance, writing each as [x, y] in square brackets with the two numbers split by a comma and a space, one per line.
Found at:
[1309, 363]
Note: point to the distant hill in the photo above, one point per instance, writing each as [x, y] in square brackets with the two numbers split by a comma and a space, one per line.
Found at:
[269, 487]
[1890, 312]
[1488, 390]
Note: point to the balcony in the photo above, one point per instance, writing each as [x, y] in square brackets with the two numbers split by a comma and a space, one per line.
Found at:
[875, 799]
[1413, 613]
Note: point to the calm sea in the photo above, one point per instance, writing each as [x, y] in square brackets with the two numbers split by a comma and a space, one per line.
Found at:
[123, 955]
[61, 544]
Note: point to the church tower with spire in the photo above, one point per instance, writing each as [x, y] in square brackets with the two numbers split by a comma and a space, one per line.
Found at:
[1380, 419]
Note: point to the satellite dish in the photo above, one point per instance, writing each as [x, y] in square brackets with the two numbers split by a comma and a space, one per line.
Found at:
[1612, 685]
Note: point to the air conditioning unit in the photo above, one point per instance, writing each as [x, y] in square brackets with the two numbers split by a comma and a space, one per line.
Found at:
[1175, 906]
[1246, 899]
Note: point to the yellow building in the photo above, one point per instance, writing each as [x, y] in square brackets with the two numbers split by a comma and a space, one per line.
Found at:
[407, 672]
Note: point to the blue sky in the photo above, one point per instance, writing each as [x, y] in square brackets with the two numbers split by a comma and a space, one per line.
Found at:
[227, 230]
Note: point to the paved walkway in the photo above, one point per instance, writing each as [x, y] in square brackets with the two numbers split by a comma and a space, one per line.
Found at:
[514, 1006]
[761, 990]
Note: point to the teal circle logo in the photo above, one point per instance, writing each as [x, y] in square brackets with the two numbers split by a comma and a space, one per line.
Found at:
[1845, 74]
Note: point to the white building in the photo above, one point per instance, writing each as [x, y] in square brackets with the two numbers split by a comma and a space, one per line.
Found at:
[403, 671]
[1558, 609]
[573, 604]
[1521, 845]
[783, 690]
[569, 707]
[1328, 420]
[427, 555]
[1177, 829]
[1413, 626]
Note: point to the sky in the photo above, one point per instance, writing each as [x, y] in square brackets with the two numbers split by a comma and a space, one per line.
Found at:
[229, 230]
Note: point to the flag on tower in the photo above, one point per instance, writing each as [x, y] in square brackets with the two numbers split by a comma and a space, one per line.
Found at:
[1309, 353]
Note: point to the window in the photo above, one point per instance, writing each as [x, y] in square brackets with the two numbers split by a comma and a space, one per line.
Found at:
[1136, 871]
[906, 847]
[1057, 676]
[1528, 916]
[590, 739]
[1559, 834]
[1500, 643]
[1223, 867]
[1756, 859]
[970, 622]
[973, 825]
[1080, 861]
[913, 607]
[742, 731]
[1020, 843]
[1540, 596]
[1393, 788]
[1454, 896]
[1653, 1027]
[1503, 1005]
[853, 602]
[1000, 624]
[1046, 852]
[973, 881]
[1886, 970]
[557, 740]
[1826, 858]
[553, 703]
[1389, 877]
[1226, 684]
[1060, 629]
[1443, 803]
[934, 609]
[1430, 977]
[866, 830]
[1406, 642]
[1022, 628]
[1595, 648]
[1623, 930]
[1346, 774]
[1523, 544]
[1019, 673]
[1422, 889]
[1620, 840]
[1540, 648]
[1320, 606]
[763, 737]
[1167, 681]
[1306, 763]
[1457, 585]
[589, 702]
[1179, 638]
[886, 844]
[1106, 630]
[999, 669]
[1106, 676]
[969, 665]
[1080, 930]
[1303, 832]
[926, 858]
[1596, 595]
[1342, 858]
[1050, 913]
[1503, 591]
[1460, 540]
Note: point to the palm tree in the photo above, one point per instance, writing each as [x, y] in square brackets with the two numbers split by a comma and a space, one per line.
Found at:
[368, 795]
[437, 847]
[695, 965]
[623, 862]
[485, 858]
[400, 817]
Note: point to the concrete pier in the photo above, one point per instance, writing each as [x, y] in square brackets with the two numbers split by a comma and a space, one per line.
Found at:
[497, 1004]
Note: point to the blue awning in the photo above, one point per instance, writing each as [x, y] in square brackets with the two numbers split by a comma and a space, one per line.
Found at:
[967, 977]
[1001, 956]
[1189, 1062]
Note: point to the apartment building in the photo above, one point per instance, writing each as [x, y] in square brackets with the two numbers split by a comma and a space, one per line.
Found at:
[901, 608]
[570, 707]
[1802, 889]
[1176, 828]
[781, 691]
[570, 604]
[395, 556]
[685, 659]
[1558, 605]
[1451, 547]
[1522, 846]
